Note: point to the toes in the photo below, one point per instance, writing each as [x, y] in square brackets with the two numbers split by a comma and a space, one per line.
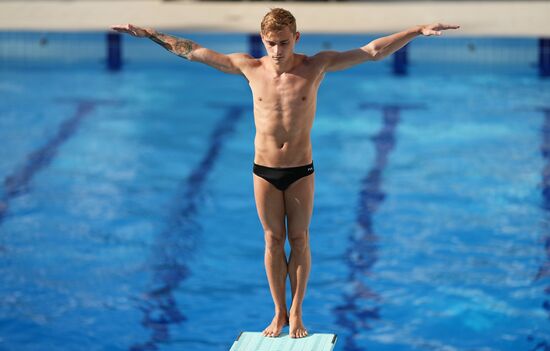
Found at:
[271, 334]
[299, 333]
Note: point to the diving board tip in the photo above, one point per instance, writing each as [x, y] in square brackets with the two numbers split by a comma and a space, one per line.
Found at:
[256, 341]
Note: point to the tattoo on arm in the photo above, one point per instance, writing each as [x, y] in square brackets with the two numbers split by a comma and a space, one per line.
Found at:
[184, 47]
[180, 47]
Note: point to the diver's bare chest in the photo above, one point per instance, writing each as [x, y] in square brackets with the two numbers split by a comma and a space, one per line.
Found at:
[285, 89]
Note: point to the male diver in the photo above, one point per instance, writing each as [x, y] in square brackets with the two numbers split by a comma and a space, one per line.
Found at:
[284, 87]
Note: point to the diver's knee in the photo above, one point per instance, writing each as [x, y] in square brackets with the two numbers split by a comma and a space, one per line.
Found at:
[299, 239]
[274, 240]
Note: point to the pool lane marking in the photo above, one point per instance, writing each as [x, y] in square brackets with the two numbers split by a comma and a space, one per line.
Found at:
[362, 252]
[177, 241]
[18, 182]
[541, 342]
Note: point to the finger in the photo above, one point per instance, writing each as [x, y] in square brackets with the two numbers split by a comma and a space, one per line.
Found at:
[121, 28]
[450, 26]
[433, 32]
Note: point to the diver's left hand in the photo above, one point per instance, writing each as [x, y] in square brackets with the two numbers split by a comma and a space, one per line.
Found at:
[436, 28]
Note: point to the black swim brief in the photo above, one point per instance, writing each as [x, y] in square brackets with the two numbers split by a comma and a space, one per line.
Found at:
[282, 177]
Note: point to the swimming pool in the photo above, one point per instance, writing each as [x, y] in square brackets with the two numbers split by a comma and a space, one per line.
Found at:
[128, 220]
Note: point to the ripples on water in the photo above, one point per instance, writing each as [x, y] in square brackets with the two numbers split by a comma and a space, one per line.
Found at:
[134, 227]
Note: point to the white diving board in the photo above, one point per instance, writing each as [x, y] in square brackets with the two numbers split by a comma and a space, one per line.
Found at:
[255, 341]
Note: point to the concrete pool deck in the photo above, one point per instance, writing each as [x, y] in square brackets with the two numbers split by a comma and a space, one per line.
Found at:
[477, 18]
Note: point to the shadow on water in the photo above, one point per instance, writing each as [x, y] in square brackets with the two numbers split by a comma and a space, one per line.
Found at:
[175, 245]
[361, 304]
[542, 343]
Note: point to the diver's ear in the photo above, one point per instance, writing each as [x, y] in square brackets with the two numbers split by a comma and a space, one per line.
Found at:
[297, 36]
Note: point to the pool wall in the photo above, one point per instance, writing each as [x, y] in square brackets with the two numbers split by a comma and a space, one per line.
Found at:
[64, 50]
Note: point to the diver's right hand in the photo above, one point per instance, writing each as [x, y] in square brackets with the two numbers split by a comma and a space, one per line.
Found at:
[132, 30]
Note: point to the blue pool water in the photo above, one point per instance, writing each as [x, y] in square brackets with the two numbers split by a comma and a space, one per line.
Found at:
[127, 217]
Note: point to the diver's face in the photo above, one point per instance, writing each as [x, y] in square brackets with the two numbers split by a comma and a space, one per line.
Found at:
[280, 44]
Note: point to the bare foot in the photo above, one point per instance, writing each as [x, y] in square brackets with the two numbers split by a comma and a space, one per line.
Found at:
[276, 326]
[297, 329]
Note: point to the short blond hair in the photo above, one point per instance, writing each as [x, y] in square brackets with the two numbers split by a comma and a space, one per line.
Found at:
[277, 19]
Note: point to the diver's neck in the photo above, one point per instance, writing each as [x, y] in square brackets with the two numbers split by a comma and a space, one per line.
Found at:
[285, 66]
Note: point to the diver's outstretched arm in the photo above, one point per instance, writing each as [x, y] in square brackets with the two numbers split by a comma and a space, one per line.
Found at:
[378, 48]
[188, 49]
